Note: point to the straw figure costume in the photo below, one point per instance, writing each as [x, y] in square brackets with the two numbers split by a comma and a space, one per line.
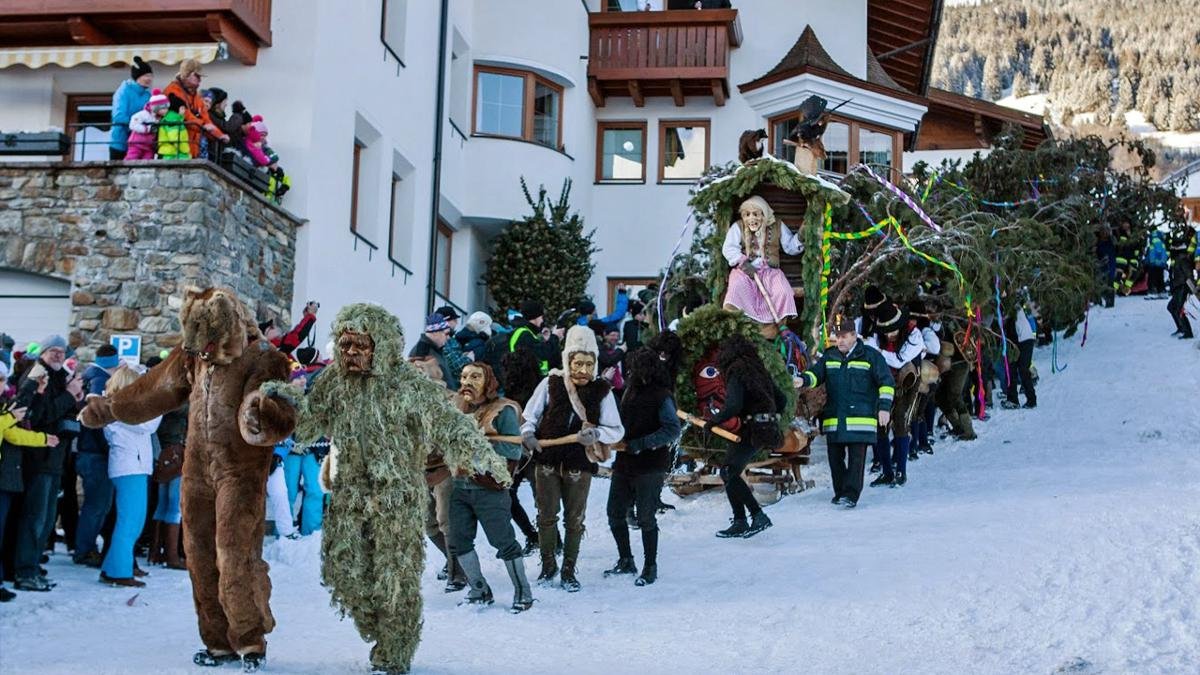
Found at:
[232, 378]
[757, 287]
[382, 416]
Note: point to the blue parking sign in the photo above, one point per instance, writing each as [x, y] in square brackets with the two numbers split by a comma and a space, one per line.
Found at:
[129, 348]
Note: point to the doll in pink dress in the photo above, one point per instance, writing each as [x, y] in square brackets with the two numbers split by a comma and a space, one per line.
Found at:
[751, 248]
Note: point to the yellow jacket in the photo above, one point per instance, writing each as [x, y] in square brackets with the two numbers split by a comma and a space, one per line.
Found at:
[18, 436]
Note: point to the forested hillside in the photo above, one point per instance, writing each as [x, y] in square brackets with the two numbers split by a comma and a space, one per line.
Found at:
[1102, 56]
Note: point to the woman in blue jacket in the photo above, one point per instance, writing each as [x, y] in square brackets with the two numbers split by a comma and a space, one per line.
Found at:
[130, 97]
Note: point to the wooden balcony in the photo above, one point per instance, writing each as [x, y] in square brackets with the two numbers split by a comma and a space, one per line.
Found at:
[675, 53]
[243, 25]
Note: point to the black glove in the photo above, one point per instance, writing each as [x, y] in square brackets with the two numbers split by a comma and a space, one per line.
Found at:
[708, 426]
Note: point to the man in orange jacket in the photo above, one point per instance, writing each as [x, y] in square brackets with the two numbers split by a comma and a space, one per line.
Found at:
[184, 93]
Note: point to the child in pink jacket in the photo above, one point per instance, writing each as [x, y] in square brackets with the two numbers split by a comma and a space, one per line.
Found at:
[143, 127]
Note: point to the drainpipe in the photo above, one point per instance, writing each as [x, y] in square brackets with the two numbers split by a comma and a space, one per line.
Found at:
[438, 124]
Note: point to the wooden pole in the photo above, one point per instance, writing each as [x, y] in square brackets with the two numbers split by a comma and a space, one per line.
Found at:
[696, 421]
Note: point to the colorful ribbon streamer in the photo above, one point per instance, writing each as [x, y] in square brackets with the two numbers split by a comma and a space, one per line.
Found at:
[901, 194]
[1003, 338]
[662, 286]
[1054, 367]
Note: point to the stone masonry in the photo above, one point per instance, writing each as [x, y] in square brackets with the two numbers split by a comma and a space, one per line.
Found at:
[131, 237]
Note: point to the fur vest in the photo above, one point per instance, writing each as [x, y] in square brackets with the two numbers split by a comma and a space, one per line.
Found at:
[485, 416]
[639, 414]
[559, 419]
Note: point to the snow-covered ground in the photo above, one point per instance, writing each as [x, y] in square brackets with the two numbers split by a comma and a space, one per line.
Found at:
[1066, 539]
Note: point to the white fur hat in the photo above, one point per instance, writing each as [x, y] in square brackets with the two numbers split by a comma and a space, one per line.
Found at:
[580, 339]
[480, 322]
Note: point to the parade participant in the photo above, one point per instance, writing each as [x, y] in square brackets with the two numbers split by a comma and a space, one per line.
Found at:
[381, 414]
[651, 426]
[235, 418]
[923, 412]
[955, 366]
[902, 345]
[859, 389]
[574, 401]
[757, 287]
[751, 395]
[479, 499]
[1026, 336]
[1181, 274]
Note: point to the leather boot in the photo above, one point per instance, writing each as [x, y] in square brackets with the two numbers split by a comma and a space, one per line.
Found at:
[650, 567]
[155, 555]
[567, 579]
[549, 568]
[522, 593]
[480, 593]
[439, 542]
[456, 579]
[171, 542]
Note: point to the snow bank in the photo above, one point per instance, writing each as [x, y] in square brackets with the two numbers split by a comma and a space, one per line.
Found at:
[1064, 540]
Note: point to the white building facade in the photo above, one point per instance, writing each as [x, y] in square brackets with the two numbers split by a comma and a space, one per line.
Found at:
[631, 106]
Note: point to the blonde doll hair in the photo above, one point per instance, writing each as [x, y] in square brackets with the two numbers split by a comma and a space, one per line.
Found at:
[124, 377]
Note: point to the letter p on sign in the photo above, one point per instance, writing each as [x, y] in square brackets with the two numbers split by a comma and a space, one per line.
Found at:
[129, 348]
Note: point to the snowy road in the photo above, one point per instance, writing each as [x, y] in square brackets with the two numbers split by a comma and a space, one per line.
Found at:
[1066, 539]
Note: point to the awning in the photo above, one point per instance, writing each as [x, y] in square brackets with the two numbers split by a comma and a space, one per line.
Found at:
[67, 57]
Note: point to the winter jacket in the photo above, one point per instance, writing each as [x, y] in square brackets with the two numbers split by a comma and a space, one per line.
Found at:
[1181, 272]
[128, 99]
[897, 356]
[472, 341]
[631, 334]
[95, 379]
[1156, 250]
[131, 448]
[618, 313]
[425, 348]
[1106, 258]
[194, 113]
[858, 385]
[651, 427]
[231, 125]
[297, 335]
[527, 336]
[173, 137]
[15, 435]
[456, 360]
[47, 412]
[92, 441]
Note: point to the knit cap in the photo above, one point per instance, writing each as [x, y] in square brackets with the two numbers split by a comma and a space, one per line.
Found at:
[157, 100]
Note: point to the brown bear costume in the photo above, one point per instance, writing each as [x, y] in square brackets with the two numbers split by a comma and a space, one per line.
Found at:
[232, 427]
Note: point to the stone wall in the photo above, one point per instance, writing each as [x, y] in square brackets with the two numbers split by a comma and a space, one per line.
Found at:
[131, 237]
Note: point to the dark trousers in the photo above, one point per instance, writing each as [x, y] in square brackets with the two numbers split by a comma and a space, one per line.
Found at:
[891, 453]
[1155, 279]
[1175, 307]
[846, 463]
[1020, 373]
[68, 505]
[97, 501]
[741, 497]
[472, 506]
[36, 519]
[642, 490]
[5, 500]
[519, 515]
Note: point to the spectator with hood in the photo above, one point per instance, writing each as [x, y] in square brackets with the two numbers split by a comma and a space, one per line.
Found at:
[129, 98]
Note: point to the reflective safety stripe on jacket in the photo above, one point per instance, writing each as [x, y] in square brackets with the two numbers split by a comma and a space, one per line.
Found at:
[858, 386]
[543, 365]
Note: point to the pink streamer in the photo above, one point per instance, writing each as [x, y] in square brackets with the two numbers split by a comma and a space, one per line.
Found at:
[908, 201]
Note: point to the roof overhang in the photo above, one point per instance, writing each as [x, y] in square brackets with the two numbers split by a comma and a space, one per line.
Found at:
[867, 102]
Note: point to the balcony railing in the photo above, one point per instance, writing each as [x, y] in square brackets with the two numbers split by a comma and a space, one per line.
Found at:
[244, 25]
[673, 53]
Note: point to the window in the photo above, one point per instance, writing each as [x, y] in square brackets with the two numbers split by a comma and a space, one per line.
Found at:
[683, 150]
[441, 253]
[355, 174]
[620, 152]
[633, 286]
[89, 118]
[874, 148]
[518, 104]
[847, 142]
[392, 24]
[402, 202]
[460, 87]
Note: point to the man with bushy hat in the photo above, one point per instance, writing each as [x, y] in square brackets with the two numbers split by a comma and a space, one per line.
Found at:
[859, 390]
[899, 340]
[53, 398]
[432, 346]
[572, 401]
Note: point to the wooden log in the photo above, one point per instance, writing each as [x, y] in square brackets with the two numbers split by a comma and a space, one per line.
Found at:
[696, 421]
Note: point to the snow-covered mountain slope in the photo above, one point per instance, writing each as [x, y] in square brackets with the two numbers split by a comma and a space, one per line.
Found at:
[1065, 539]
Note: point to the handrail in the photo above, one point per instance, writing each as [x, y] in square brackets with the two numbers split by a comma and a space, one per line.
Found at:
[671, 17]
[461, 312]
[676, 43]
